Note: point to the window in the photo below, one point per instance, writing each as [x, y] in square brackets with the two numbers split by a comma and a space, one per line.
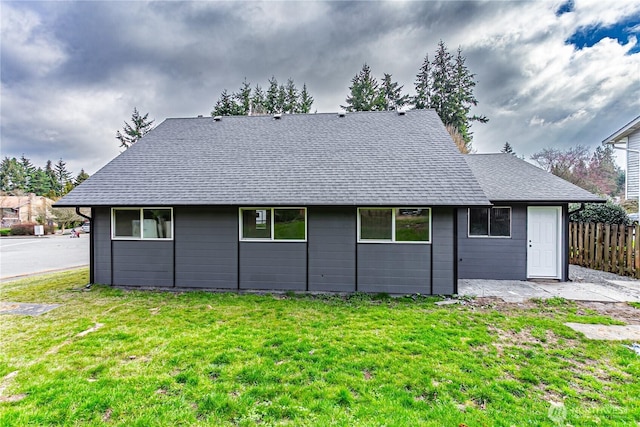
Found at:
[273, 224]
[399, 225]
[142, 223]
[490, 222]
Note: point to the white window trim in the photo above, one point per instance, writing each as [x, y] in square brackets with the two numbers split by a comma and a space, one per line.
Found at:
[393, 226]
[489, 236]
[272, 225]
[141, 210]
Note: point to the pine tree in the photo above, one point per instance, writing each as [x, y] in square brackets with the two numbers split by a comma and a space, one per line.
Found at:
[28, 170]
[82, 176]
[244, 98]
[507, 149]
[306, 100]
[226, 106]
[363, 92]
[51, 179]
[291, 98]
[258, 101]
[132, 133]
[391, 94]
[12, 176]
[446, 85]
[271, 98]
[41, 184]
[423, 86]
[63, 177]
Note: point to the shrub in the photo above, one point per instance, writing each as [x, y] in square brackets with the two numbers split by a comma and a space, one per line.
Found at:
[607, 213]
[5, 231]
[26, 229]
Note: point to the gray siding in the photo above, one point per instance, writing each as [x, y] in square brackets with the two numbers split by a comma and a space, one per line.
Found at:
[394, 268]
[206, 242]
[142, 263]
[443, 246]
[494, 258]
[273, 265]
[332, 249]
[101, 233]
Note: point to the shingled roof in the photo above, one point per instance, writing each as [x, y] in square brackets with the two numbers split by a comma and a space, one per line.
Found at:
[363, 159]
[506, 178]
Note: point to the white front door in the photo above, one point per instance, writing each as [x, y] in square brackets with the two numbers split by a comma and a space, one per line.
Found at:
[543, 241]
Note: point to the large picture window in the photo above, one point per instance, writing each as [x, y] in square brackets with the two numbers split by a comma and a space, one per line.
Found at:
[142, 223]
[490, 222]
[273, 224]
[395, 225]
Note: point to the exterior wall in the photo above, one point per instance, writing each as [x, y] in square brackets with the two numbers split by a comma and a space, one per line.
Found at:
[492, 257]
[443, 276]
[394, 268]
[206, 253]
[273, 265]
[206, 247]
[101, 235]
[633, 167]
[142, 263]
[332, 249]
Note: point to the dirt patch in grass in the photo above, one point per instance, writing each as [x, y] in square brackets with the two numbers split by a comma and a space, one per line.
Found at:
[619, 311]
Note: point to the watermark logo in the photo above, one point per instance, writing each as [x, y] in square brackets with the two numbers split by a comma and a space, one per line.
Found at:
[557, 413]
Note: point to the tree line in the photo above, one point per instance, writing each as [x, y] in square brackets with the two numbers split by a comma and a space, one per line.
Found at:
[20, 176]
[277, 98]
[444, 84]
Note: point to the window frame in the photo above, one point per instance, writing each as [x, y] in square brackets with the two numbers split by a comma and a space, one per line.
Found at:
[141, 237]
[489, 236]
[393, 226]
[271, 224]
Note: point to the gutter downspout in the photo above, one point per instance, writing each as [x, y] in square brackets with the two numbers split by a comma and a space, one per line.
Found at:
[91, 241]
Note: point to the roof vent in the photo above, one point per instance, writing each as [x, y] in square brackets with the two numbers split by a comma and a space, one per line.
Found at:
[342, 113]
[200, 115]
[217, 118]
[277, 116]
[401, 111]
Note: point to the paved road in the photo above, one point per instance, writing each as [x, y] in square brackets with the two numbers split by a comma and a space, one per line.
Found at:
[21, 256]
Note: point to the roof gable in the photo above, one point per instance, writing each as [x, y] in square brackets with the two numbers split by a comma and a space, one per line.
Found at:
[367, 158]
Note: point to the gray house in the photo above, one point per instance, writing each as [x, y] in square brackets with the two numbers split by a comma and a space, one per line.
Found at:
[628, 138]
[371, 202]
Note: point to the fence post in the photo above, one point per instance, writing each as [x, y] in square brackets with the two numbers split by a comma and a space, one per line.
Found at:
[621, 250]
[636, 252]
[607, 247]
[599, 246]
[614, 248]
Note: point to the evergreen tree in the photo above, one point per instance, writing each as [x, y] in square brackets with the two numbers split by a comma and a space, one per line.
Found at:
[12, 176]
[258, 101]
[63, 177]
[132, 133]
[306, 100]
[423, 85]
[282, 97]
[507, 149]
[226, 106]
[271, 98]
[82, 176]
[391, 94]
[363, 92]
[291, 98]
[28, 170]
[51, 178]
[446, 85]
[244, 98]
[41, 184]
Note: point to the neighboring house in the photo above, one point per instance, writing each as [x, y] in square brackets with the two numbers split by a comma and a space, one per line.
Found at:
[18, 209]
[371, 201]
[629, 139]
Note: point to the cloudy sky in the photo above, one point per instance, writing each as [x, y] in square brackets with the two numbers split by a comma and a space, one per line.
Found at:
[549, 74]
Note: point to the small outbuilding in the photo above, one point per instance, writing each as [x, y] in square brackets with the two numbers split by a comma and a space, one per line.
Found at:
[370, 202]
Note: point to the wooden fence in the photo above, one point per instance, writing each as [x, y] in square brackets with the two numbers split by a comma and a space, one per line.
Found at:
[606, 247]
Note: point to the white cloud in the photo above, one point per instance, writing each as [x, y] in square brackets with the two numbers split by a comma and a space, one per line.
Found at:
[27, 44]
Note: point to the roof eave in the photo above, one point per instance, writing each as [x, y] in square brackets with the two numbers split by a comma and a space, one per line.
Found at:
[625, 131]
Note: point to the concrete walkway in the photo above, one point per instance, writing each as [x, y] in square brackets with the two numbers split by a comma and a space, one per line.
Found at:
[520, 291]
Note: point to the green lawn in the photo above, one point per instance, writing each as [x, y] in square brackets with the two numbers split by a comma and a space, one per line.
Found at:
[225, 359]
